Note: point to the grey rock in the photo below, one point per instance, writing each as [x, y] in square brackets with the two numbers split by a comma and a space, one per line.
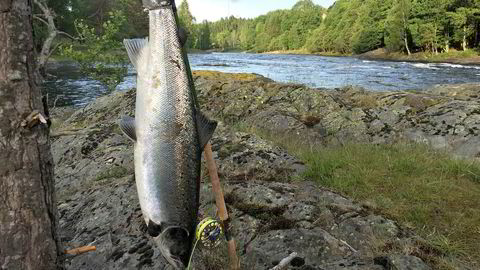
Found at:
[401, 262]
[271, 214]
[346, 115]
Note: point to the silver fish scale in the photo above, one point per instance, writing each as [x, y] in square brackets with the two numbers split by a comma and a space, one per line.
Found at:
[167, 151]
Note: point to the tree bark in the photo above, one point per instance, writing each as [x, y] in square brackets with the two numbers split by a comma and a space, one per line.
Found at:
[28, 218]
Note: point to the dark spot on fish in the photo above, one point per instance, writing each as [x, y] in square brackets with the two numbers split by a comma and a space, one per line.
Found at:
[176, 62]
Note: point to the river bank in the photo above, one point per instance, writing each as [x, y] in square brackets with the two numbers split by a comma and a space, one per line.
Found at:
[454, 57]
[282, 200]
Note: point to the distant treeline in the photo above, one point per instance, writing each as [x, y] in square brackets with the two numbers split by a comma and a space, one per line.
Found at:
[351, 26]
[348, 26]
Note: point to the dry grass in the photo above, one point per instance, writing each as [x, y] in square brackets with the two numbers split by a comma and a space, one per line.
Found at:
[219, 75]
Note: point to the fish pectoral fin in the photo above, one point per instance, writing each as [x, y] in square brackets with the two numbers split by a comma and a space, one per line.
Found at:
[134, 49]
[205, 128]
[127, 125]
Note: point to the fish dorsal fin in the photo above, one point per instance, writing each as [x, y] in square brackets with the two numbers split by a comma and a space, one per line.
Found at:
[127, 125]
[205, 128]
[135, 47]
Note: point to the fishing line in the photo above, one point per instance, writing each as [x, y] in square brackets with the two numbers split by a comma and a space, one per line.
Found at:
[208, 232]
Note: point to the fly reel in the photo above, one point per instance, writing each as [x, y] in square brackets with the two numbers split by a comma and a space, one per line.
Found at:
[209, 232]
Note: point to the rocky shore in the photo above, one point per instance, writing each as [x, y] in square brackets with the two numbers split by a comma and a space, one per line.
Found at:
[446, 117]
[273, 214]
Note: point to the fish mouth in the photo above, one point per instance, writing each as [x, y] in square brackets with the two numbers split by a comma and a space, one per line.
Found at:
[154, 4]
[175, 245]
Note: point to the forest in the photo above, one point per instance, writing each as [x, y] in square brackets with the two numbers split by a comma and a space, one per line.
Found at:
[356, 26]
[348, 26]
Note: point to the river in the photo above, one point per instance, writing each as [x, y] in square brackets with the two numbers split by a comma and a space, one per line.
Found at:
[68, 87]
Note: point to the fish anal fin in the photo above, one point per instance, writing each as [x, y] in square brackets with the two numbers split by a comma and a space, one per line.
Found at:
[134, 49]
[205, 128]
[127, 125]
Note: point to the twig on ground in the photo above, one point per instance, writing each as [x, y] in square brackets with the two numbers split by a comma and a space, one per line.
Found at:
[285, 262]
[350, 247]
[80, 250]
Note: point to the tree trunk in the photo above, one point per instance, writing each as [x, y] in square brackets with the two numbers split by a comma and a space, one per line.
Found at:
[464, 43]
[47, 18]
[405, 38]
[476, 35]
[405, 32]
[28, 218]
[447, 43]
[52, 34]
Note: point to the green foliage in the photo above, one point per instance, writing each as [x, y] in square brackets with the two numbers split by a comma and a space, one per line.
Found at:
[187, 22]
[349, 26]
[203, 41]
[421, 25]
[277, 30]
[98, 55]
[397, 25]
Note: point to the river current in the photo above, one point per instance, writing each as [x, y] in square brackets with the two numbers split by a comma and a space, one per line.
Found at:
[68, 87]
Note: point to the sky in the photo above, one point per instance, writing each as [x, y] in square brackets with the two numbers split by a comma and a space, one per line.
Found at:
[213, 10]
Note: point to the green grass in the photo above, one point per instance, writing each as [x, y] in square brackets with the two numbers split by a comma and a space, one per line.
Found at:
[452, 54]
[430, 192]
[435, 195]
[431, 57]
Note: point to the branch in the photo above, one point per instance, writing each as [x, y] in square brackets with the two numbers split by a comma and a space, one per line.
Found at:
[54, 49]
[81, 37]
[40, 19]
[99, 9]
[67, 35]
[42, 6]
[350, 247]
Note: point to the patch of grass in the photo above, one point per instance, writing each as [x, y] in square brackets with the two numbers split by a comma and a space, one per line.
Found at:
[428, 191]
[425, 190]
[451, 54]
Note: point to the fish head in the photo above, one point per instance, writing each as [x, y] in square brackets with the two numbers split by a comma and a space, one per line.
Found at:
[154, 4]
[175, 245]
